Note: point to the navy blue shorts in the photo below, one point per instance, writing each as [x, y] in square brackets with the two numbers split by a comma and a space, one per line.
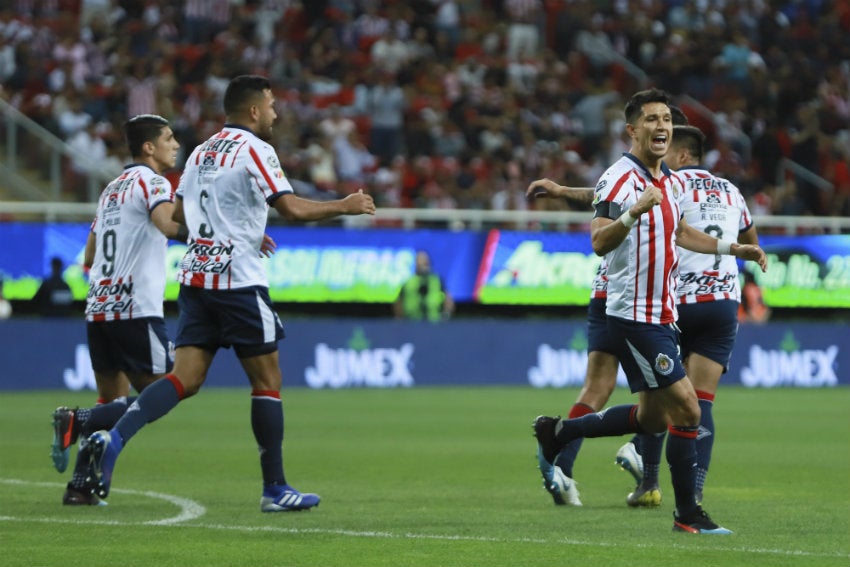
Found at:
[598, 338]
[709, 329]
[135, 346]
[242, 318]
[649, 354]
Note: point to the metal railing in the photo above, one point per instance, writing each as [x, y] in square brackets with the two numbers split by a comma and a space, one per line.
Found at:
[448, 219]
[34, 161]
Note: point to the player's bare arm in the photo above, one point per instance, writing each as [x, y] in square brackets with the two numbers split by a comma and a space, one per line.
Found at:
[177, 214]
[91, 247]
[606, 234]
[293, 207]
[545, 187]
[749, 236]
[696, 241]
[163, 219]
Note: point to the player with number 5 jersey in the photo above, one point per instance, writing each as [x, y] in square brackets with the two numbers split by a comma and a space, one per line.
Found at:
[228, 185]
[226, 189]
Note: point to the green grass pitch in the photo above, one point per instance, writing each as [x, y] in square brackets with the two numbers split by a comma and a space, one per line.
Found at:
[425, 477]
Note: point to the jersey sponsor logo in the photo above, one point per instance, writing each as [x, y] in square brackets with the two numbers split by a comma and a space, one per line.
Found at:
[206, 258]
[219, 145]
[709, 184]
[109, 297]
[601, 185]
[706, 283]
[105, 288]
[206, 248]
[663, 364]
[158, 186]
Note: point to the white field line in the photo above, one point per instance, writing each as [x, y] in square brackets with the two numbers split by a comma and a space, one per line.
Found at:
[191, 510]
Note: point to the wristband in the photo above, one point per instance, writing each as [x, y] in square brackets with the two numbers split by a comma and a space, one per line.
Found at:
[627, 219]
[724, 247]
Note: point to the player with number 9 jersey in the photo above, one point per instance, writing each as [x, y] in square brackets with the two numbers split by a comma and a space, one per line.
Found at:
[127, 276]
[227, 186]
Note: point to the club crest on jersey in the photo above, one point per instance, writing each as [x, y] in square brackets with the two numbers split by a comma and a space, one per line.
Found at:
[663, 364]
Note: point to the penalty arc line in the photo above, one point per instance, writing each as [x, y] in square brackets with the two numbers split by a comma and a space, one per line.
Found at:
[191, 510]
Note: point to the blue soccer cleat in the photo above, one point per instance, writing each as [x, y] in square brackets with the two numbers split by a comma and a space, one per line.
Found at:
[284, 498]
[101, 449]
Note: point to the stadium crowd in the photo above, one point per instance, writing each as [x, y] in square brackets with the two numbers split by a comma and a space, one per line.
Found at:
[452, 103]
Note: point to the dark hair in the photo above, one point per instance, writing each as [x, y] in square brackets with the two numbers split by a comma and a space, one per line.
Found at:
[679, 117]
[691, 138]
[634, 107]
[241, 90]
[143, 128]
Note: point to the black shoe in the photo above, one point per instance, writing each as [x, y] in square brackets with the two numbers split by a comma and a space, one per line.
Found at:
[697, 523]
[544, 431]
[76, 496]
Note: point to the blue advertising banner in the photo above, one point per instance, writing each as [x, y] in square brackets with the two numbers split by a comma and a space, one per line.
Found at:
[317, 264]
[368, 353]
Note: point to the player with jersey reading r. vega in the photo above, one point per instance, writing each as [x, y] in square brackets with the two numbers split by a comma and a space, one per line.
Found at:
[125, 252]
[223, 197]
[637, 227]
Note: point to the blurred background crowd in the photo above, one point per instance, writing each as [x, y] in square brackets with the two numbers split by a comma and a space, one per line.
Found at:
[451, 104]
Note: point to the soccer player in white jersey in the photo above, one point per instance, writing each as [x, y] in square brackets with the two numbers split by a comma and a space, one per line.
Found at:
[637, 227]
[125, 252]
[602, 365]
[227, 186]
[708, 296]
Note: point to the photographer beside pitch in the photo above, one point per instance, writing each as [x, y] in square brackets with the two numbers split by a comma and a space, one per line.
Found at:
[637, 226]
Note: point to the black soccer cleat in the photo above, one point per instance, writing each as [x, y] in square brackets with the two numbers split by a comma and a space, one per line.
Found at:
[544, 431]
[698, 522]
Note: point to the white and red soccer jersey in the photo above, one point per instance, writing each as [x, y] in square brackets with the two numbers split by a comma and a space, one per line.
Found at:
[715, 206]
[642, 269]
[599, 287]
[226, 185]
[127, 278]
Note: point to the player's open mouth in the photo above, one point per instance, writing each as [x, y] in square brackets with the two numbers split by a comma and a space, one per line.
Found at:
[660, 140]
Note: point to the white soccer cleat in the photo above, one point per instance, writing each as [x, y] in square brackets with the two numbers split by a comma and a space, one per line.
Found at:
[562, 488]
[630, 461]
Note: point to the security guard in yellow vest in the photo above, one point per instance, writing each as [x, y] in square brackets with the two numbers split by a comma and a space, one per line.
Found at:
[423, 296]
